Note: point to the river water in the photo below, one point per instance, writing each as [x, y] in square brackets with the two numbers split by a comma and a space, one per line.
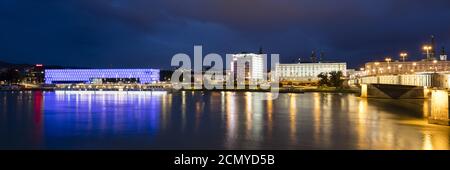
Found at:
[214, 120]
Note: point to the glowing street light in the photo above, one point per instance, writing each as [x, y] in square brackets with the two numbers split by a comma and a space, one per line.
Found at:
[427, 49]
[388, 59]
[403, 56]
[375, 70]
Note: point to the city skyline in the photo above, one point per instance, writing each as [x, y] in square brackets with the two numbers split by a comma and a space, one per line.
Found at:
[139, 34]
[224, 83]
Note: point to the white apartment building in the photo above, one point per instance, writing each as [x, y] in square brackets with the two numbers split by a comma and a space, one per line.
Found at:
[248, 67]
[306, 72]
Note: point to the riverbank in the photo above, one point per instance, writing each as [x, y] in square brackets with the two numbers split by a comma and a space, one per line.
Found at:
[29, 89]
[280, 90]
[333, 90]
[287, 90]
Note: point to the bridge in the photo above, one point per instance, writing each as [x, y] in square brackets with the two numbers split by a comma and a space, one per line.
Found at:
[433, 86]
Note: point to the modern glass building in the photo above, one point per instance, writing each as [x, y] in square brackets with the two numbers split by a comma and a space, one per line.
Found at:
[249, 67]
[101, 76]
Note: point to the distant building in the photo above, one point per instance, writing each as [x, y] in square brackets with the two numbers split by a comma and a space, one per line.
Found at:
[306, 72]
[101, 76]
[209, 75]
[35, 74]
[407, 67]
[251, 67]
[354, 74]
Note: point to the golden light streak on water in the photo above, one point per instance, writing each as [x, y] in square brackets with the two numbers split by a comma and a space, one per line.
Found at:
[316, 116]
[231, 111]
[427, 144]
[361, 126]
[293, 117]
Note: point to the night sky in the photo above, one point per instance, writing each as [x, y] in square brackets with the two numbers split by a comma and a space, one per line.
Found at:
[147, 33]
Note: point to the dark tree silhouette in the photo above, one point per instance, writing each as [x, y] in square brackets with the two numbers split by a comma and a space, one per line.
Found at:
[336, 79]
[323, 79]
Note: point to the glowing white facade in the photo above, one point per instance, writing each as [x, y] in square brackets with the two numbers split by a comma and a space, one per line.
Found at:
[248, 67]
[88, 76]
[306, 72]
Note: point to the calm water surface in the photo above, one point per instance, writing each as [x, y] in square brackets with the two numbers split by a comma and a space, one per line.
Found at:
[216, 120]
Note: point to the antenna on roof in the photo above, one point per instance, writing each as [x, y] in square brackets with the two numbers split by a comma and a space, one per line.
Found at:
[433, 47]
[313, 56]
[443, 56]
[321, 56]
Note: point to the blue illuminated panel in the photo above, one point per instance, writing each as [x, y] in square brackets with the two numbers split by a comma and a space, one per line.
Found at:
[53, 76]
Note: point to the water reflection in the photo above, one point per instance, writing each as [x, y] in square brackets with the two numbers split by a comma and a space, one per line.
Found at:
[293, 118]
[269, 110]
[214, 120]
[231, 112]
[38, 118]
[361, 124]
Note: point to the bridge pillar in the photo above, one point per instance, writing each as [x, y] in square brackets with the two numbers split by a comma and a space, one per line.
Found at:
[364, 90]
[439, 107]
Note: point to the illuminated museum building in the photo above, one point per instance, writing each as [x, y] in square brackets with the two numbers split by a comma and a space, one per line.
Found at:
[101, 76]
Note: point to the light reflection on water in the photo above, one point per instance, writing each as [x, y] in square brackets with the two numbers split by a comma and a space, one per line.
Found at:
[214, 120]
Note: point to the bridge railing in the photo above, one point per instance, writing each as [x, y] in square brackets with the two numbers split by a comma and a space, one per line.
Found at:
[417, 80]
[428, 80]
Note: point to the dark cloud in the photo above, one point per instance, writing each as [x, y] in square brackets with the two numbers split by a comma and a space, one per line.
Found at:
[142, 33]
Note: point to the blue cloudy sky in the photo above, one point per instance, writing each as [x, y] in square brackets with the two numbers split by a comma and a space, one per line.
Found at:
[147, 33]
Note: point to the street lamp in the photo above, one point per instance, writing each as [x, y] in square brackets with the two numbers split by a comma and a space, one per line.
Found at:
[427, 48]
[388, 60]
[403, 56]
